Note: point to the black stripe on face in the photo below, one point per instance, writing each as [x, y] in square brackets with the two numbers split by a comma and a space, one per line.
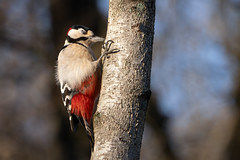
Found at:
[75, 40]
[76, 43]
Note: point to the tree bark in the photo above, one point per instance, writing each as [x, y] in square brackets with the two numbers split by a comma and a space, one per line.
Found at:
[119, 119]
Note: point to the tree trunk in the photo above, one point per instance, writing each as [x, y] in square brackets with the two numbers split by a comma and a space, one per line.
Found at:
[119, 119]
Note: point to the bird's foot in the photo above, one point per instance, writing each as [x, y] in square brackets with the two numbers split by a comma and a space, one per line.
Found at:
[106, 46]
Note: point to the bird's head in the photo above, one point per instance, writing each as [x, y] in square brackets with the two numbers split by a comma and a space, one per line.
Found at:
[81, 34]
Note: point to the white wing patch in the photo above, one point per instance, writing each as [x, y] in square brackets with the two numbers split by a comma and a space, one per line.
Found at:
[67, 95]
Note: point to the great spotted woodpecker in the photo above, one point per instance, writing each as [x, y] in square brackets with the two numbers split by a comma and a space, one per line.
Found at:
[79, 75]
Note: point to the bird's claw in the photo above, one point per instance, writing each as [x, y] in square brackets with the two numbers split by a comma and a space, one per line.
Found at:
[107, 45]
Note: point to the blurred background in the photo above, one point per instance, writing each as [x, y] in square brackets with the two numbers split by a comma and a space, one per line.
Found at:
[194, 108]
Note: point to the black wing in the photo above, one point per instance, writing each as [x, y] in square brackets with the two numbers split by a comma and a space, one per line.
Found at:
[67, 94]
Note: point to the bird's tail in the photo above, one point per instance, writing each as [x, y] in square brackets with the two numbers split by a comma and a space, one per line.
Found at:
[89, 132]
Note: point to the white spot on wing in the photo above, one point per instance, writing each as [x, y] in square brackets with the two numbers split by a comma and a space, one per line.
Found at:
[65, 86]
[69, 107]
[68, 97]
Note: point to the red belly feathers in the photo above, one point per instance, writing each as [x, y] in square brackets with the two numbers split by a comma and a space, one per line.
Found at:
[83, 102]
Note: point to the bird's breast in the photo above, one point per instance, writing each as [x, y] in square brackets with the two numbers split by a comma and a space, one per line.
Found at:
[76, 72]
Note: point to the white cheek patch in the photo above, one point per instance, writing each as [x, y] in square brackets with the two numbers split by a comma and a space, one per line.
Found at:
[73, 33]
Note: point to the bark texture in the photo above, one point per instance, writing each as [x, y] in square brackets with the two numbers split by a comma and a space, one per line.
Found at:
[125, 92]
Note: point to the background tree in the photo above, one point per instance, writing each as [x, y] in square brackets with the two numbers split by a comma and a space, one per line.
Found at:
[194, 107]
[120, 115]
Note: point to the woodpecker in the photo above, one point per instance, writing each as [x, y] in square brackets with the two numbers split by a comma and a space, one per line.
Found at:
[79, 75]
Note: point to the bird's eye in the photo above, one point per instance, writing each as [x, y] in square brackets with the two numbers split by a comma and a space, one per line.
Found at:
[83, 31]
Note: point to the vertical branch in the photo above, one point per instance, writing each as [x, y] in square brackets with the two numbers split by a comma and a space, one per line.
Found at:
[125, 91]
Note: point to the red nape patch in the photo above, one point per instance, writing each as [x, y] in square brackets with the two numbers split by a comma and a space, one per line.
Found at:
[68, 30]
[82, 106]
